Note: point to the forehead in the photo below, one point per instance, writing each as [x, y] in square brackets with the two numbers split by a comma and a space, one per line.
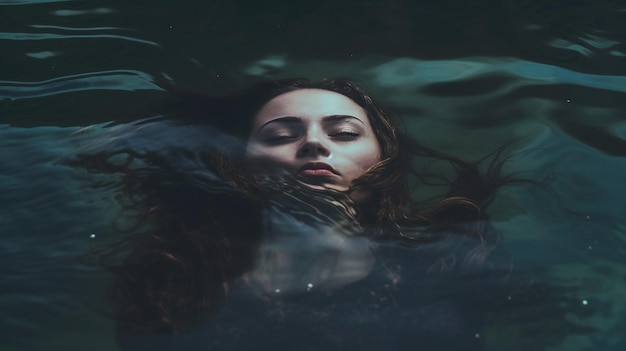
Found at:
[309, 103]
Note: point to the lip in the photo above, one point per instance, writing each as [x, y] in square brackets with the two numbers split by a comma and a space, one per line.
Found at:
[317, 169]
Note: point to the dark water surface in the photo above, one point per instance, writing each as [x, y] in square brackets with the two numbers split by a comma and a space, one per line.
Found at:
[465, 76]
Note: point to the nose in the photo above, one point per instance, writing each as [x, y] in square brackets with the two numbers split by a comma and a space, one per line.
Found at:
[312, 148]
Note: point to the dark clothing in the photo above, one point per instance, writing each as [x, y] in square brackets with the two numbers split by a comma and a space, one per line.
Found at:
[364, 294]
[398, 306]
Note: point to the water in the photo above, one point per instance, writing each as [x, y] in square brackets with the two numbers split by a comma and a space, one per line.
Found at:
[464, 76]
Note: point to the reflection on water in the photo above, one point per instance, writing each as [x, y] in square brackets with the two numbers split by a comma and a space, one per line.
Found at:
[53, 36]
[299, 256]
[415, 73]
[111, 80]
[29, 2]
[464, 81]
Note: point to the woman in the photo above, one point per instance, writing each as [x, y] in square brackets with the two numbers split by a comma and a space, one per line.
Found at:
[291, 212]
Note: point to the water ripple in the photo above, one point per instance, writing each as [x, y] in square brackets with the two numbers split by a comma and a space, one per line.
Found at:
[96, 11]
[28, 2]
[127, 80]
[413, 72]
[46, 26]
[51, 36]
[41, 54]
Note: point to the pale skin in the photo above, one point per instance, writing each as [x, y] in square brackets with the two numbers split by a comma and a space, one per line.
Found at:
[322, 137]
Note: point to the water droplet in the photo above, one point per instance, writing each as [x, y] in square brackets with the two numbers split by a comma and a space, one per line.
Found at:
[477, 336]
[568, 101]
[92, 236]
[309, 285]
[585, 302]
[509, 298]
[590, 247]
[277, 291]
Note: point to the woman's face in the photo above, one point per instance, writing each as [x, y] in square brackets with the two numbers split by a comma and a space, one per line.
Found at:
[321, 137]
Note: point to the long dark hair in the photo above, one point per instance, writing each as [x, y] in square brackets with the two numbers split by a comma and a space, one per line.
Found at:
[187, 244]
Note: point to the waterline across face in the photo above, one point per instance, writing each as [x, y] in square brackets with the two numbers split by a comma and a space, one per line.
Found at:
[321, 137]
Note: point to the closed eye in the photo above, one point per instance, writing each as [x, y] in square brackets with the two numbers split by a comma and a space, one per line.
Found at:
[280, 138]
[345, 135]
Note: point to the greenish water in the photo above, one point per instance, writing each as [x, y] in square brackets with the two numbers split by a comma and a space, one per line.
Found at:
[464, 76]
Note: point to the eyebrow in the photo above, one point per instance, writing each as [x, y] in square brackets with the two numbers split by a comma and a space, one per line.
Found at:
[325, 120]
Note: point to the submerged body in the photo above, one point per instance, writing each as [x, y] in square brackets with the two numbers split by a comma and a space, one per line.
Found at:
[314, 286]
[296, 226]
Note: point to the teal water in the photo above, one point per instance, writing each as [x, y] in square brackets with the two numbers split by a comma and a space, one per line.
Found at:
[465, 77]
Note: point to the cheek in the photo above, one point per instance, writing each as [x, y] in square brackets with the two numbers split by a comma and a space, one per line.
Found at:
[364, 157]
[277, 153]
[368, 160]
[266, 160]
[372, 154]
